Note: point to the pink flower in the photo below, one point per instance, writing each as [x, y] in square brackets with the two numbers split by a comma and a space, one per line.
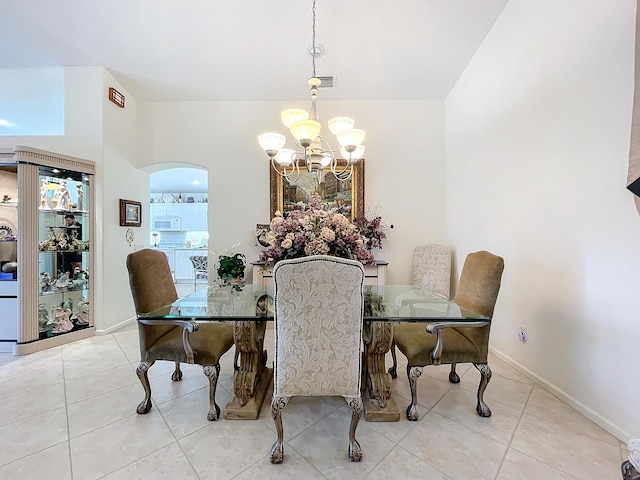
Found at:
[316, 231]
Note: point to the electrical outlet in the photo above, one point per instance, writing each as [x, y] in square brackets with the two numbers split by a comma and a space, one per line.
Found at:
[522, 333]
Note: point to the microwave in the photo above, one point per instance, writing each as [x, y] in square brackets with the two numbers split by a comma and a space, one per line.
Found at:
[166, 224]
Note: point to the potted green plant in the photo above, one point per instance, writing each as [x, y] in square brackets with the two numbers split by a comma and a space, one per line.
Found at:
[230, 268]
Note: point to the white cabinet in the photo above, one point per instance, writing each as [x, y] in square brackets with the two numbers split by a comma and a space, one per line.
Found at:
[188, 216]
[165, 209]
[170, 253]
[9, 317]
[193, 216]
[202, 215]
[183, 266]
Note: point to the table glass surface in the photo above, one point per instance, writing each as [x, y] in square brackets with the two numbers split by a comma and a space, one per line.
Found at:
[253, 302]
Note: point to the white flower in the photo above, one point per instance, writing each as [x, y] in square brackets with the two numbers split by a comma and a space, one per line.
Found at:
[290, 236]
[327, 234]
[286, 243]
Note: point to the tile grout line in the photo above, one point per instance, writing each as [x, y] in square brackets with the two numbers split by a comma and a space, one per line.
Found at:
[66, 409]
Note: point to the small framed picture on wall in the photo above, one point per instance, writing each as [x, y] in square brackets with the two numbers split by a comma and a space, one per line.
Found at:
[130, 213]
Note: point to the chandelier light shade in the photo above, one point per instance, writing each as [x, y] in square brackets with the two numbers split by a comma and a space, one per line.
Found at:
[271, 141]
[293, 115]
[311, 147]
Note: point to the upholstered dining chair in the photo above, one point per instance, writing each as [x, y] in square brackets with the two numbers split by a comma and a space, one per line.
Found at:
[176, 341]
[431, 270]
[318, 308]
[200, 268]
[453, 343]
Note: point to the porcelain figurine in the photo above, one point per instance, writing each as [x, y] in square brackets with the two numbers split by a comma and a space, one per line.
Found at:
[61, 320]
[45, 282]
[80, 203]
[44, 321]
[44, 205]
[62, 196]
[83, 316]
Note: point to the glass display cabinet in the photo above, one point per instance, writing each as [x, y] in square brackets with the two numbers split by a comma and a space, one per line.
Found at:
[54, 255]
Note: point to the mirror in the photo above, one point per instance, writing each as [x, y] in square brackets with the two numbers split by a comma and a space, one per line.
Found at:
[348, 195]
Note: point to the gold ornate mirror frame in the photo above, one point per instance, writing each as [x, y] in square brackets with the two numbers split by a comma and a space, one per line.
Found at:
[346, 194]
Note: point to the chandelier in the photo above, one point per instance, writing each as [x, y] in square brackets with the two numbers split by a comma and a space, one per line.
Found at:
[312, 148]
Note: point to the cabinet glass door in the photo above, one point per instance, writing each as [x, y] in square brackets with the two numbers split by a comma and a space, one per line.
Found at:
[63, 252]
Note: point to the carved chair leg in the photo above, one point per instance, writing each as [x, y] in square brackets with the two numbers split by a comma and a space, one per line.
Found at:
[176, 376]
[145, 405]
[629, 472]
[485, 376]
[393, 371]
[355, 451]
[412, 410]
[212, 372]
[453, 376]
[277, 450]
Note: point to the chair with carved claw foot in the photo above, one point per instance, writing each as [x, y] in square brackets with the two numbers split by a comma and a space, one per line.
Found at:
[178, 341]
[318, 337]
[453, 343]
[432, 271]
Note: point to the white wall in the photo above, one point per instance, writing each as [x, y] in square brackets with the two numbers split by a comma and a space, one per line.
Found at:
[97, 130]
[118, 178]
[537, 134]
[404, 165]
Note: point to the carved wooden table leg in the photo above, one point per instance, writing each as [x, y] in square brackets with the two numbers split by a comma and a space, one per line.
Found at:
[252, 380]
[379, 405]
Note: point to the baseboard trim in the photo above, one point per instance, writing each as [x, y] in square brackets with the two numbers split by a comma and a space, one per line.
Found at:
[615, 430]
[116, 327]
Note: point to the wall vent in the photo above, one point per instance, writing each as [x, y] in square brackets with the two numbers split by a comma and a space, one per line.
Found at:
[327, 82]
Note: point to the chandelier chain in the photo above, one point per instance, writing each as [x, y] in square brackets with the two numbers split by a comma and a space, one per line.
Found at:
[313, 39]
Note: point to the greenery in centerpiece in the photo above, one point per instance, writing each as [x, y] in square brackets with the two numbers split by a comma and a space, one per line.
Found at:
[231, 266]
[315, 231]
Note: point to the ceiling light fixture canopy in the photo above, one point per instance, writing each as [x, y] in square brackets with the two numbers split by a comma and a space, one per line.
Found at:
[313, 148]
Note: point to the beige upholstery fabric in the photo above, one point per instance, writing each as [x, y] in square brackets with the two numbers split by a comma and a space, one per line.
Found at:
[152, 289]
[318, 326]
[432, 268]
[477, 291]
[318, 307]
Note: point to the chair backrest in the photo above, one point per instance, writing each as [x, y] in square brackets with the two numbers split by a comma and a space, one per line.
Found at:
[150, 280]
[318, 310]
[477, 291]
[480, 282]
[200, 263]
[432, 268]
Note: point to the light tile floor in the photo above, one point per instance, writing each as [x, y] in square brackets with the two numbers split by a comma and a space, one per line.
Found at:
[69, 413]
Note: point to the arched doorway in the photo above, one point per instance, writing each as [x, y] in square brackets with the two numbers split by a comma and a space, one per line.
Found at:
[178, 218]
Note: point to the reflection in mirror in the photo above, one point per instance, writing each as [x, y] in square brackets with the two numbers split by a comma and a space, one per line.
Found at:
[345, 195]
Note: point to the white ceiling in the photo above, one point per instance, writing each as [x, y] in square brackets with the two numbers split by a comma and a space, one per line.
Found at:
[179, 180]
[195, 50]
[200, 50]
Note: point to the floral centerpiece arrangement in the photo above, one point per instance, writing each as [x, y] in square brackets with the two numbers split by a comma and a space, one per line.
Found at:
[315, 231]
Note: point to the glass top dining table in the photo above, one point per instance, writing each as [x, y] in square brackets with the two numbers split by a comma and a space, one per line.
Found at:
[250, 308]
[254, 302]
